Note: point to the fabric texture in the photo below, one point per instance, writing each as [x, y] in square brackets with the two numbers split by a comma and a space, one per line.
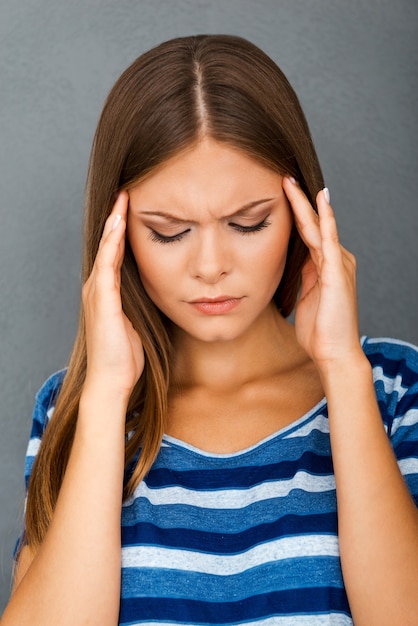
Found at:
[251, 537]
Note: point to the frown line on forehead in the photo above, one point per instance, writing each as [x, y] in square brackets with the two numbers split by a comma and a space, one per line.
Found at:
[238, 213]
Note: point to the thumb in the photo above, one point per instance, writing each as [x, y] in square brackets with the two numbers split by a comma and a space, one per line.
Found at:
[309, 278]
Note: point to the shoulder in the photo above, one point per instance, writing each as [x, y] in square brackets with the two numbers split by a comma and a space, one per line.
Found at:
[394, 363]
[44, 407]
[46, 398]
[391, 354]
[395, 374]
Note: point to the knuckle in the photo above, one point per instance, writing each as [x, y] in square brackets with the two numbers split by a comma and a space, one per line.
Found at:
[351, 257]
[85, 290]
[104, 256]
[100, 263]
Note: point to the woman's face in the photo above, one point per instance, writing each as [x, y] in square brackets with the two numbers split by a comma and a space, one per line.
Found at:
[209, 230]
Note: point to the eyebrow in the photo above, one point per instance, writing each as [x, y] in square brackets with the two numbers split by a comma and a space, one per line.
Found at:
[180, 220]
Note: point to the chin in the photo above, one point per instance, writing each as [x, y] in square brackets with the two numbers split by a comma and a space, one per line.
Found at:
[218, 329]
[215, 335]
[220, 338]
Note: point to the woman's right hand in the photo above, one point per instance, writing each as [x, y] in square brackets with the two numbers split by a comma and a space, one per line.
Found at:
[115, 356]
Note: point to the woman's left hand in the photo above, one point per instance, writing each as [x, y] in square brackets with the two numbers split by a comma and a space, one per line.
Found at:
[326, 319]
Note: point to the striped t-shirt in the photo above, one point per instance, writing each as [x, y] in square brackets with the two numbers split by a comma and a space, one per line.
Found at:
[250, 537]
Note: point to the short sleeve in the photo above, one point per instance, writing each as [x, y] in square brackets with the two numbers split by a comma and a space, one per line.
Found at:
[44, 407]
[395, 372]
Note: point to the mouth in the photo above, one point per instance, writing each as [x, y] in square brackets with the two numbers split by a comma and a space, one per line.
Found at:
[211, 300]
[216, 306]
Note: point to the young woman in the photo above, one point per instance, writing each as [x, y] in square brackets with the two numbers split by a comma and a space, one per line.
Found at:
[207, 462]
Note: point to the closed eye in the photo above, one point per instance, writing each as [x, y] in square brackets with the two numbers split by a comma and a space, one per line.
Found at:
[244, 230]
[247, 230]
[165, 238]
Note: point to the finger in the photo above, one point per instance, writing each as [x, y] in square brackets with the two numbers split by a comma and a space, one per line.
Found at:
[306, 218]
[119, 211]
[112, 244]
[331, 247]
[112, 247]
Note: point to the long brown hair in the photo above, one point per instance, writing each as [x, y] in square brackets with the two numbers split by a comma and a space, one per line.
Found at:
[218, 86]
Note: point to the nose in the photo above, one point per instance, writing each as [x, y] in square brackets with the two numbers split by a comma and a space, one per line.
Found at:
[211, 260]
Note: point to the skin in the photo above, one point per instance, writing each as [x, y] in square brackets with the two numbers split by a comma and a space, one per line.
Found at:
[192, 239]
[250, 350]
[211, 256]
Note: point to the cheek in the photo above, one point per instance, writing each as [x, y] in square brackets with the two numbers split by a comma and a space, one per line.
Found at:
[143, 256]
[272, 258]
[150, 269]
[158, 275]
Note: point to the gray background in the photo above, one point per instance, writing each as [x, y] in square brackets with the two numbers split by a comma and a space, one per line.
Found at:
[354, 66]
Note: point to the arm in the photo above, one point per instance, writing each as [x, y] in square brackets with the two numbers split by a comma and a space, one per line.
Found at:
[74, 577]
[378, 520]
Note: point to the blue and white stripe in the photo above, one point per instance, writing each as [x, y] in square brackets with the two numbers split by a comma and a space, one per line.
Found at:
[249, 538]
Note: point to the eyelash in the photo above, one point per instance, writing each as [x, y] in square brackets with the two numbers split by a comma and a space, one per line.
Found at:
[247, 230]
[243, 230]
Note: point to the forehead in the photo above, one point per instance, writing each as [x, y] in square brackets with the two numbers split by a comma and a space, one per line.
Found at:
[209, 176]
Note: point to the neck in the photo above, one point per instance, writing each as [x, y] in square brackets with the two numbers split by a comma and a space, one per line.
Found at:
[265, 348]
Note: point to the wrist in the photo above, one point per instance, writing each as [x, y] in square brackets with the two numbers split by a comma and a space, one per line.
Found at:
[102, 394]
[352, 368]
[107, 386]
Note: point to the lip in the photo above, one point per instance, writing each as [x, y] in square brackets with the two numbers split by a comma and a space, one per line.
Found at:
[217, 299]
[216, 306]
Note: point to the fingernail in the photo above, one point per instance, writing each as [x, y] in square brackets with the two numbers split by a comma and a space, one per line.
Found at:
[326, 194]
[116, 221]
[292, 180]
